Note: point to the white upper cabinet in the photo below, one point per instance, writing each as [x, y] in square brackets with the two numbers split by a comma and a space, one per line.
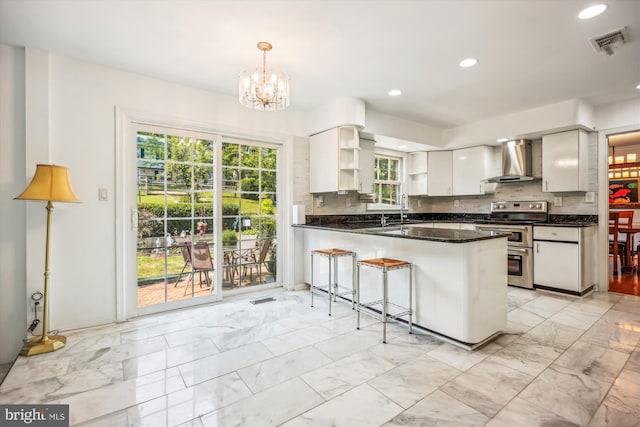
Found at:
[565, 161]
[417, 173]
[340, 161]
[439, 165]
[470, 167]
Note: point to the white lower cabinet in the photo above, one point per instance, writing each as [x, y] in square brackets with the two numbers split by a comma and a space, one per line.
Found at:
[563, 258]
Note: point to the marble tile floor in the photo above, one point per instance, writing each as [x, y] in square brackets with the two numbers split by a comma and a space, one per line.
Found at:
[563, 361]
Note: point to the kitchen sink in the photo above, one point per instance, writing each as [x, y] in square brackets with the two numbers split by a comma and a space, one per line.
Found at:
[400, 230]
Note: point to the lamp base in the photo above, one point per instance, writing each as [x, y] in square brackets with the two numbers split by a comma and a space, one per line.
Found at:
[38, 346]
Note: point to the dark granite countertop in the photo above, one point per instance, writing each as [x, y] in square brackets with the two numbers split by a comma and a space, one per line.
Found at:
[370, 220]
[411, 232]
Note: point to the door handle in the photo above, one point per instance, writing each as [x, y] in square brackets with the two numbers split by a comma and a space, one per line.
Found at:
[134, 219]
[524, 251]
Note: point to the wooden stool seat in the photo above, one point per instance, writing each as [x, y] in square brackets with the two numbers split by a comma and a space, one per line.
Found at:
[332, 287]
[333, 252]
[385, 263]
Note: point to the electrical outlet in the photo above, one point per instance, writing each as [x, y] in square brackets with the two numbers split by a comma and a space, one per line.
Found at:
[590, 197]
[103, 194]
[456, 203]
[348, 202]
[419, 203]
[557, 201]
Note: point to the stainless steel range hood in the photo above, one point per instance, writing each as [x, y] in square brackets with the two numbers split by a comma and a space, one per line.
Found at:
[516, 162]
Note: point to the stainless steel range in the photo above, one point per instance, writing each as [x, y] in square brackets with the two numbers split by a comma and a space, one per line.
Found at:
[517, 218]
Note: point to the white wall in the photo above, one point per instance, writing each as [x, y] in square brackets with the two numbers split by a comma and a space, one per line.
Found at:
[555, 117]
[13, 306]
[82, 100]
[618, 115]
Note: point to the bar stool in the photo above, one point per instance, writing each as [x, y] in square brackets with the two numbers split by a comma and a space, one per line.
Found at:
[332, 255]
[386, 265]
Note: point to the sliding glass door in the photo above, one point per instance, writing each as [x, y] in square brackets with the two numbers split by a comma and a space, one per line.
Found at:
[176, 207]
[249, 213]
[206, 217]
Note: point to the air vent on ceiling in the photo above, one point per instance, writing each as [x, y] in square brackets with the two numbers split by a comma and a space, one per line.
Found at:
[607, 43]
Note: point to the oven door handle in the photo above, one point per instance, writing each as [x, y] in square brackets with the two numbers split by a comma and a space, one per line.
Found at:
[517, 250]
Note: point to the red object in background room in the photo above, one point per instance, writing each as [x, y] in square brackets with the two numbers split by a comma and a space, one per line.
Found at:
[623, 191]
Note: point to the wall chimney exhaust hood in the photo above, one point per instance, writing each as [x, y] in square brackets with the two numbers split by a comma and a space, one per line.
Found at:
[516, 162]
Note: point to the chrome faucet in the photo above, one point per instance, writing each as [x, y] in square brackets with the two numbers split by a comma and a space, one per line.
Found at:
[403, 208]
[383, 220]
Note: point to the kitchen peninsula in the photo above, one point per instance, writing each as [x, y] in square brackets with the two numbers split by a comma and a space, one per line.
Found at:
[460, 277]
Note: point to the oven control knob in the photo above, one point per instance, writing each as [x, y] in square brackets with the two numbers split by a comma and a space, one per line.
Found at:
[530, 205]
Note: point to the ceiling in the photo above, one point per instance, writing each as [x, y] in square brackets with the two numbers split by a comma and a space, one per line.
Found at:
[531, 52]
[624, 139]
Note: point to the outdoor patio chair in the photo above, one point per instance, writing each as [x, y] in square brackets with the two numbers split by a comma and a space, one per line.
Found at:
[185, 250]
[257, 259]
[201, 262]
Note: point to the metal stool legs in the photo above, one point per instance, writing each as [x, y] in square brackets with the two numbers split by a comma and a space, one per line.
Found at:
[386, 264]
[332, 285]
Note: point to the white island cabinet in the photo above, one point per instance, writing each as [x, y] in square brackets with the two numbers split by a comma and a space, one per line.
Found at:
[460, 289]
[563, 258]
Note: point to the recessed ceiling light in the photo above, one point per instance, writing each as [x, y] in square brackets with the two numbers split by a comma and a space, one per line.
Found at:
[395, 92]
[402, 146]
[469, 62]
[592, 11]
[502, 139]
[638, 87]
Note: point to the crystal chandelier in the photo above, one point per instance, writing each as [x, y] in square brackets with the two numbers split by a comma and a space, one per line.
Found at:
[264, 90]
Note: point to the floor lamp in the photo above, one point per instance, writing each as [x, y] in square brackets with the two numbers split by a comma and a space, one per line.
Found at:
[51, 184]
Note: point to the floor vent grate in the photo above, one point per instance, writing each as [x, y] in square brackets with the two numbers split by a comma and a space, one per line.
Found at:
[262, 300]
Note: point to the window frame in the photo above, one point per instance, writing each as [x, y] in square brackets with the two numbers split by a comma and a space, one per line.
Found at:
[401, 157]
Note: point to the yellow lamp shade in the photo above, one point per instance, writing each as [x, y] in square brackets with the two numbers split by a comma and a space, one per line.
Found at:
[50, 183]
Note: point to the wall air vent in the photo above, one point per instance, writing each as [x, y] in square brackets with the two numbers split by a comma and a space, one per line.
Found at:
[609, 42]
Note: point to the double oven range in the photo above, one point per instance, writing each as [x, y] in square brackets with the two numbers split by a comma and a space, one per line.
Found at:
[517, 219]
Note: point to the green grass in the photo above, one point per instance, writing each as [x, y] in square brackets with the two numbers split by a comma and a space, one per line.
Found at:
[153, 266]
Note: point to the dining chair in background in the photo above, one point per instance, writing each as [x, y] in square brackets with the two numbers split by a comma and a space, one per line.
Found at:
[616, 248]
[625, 240]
